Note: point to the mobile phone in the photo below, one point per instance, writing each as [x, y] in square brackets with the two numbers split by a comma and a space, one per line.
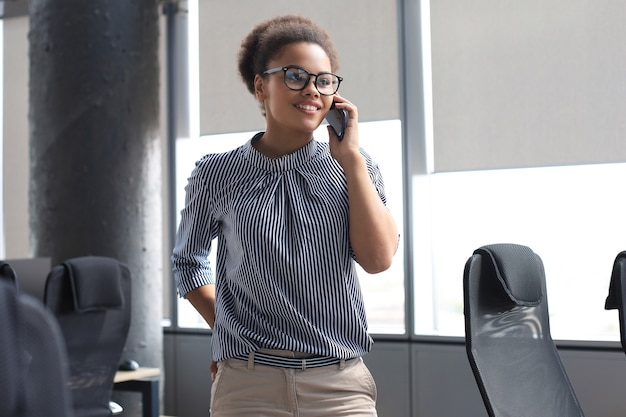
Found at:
[336, 118]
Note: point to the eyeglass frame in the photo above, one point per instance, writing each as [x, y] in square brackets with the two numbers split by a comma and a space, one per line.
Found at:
[309, 74]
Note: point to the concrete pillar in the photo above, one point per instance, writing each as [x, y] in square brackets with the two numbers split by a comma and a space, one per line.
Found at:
[95, 162]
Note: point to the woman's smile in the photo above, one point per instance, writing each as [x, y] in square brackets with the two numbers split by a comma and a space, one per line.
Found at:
[308, 107]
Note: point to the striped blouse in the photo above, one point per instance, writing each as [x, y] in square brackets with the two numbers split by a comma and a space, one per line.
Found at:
[284, 273]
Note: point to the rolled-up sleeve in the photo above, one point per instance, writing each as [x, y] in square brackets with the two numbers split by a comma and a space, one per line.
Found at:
[196, 231]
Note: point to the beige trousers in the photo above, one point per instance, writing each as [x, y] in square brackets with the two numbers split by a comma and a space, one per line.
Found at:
[245, 389]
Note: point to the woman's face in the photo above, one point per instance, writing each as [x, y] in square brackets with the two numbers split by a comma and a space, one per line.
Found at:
[295, 111]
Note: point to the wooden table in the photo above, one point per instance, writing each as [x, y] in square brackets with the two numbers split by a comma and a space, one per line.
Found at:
[145, 381]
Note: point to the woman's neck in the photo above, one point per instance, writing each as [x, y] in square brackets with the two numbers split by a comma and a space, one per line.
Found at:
[276, 146]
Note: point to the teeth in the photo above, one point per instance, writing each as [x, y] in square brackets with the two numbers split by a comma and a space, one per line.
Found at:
[311, 108]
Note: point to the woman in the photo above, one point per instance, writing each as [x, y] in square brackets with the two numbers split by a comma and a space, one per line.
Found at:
[292, 216]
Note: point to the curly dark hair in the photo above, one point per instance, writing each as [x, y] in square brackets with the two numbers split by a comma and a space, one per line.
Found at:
[267, 39]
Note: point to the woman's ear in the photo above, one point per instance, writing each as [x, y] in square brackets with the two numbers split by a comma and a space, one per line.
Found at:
[259, 87]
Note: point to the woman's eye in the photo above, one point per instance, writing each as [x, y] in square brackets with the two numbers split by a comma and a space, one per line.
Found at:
[324, 81]
[296, 76]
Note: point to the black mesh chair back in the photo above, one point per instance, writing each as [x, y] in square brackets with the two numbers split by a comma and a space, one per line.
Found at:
[617, 294]
[90, 296]
[33, 361]
[513, 357]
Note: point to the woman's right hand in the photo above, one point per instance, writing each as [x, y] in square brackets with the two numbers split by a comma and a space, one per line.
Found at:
[213, 370]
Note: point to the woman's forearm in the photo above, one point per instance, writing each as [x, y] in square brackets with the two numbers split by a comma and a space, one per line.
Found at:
[203, 300]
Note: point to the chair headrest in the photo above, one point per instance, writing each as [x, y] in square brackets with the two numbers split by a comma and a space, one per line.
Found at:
[96, 283]
[8, 273]
[519, 270]
[614, 299]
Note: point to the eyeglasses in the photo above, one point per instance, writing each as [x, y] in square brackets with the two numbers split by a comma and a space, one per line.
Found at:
[296, 79]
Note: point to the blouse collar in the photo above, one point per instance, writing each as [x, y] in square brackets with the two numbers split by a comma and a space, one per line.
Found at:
[312, 150]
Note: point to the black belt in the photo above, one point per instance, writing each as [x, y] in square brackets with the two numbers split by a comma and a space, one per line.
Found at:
[290, 363]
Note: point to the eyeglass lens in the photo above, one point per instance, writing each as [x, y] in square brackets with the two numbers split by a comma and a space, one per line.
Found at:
[297, 79]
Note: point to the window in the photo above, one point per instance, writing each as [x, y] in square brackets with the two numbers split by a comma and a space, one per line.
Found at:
[527, 148]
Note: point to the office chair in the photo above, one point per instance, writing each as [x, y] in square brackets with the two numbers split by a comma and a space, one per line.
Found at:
[617, 294]
[33, 361]
[507, 332]
[91, 296]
